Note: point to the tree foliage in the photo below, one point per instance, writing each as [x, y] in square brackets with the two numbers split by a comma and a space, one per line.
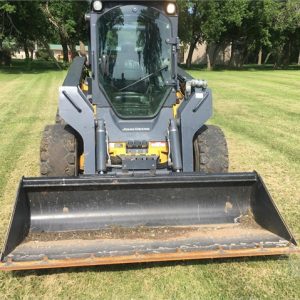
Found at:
[67, 20]
[262, 31]
[26, 23]
[250, 27]
[6, 29]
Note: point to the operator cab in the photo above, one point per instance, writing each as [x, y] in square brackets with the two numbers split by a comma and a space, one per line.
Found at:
[134, 60]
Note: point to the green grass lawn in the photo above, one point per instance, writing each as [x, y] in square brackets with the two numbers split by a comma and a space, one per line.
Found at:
[260, 114]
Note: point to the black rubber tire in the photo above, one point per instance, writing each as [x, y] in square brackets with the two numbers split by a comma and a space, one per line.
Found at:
[210, 150]
[58, 152]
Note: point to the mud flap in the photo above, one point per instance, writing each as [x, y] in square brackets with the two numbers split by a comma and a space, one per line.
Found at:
[64, 222]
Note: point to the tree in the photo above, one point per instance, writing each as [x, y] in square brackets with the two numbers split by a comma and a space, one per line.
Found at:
[67, 19]
[212, 27]
[257, 26]
[190, 26]
[7, 28]
[32, 26]
[285, 33]
[214, 22]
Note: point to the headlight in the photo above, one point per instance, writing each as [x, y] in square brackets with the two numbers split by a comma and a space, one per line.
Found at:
[171, 9]
[97, 5]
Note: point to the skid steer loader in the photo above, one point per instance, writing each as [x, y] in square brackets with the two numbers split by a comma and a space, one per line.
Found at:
[130, 172]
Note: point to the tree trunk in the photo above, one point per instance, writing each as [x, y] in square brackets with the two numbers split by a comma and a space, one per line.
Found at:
[267, 57]
[243, 57]
[26, 50]
[65, 51]
[224, 47]
[286, 60]
[232, 54]
[5, 57]
[60, 28]
[64, 45]
[299, 59]
[215, 54]
[31, 54]
[208, 58]
[190, 55]
[259, 61]
[278, 56]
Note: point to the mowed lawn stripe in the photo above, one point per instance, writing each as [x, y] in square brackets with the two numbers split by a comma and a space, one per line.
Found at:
[281, 133]
[252, 131]
[276, 80]
[256, 111]
[278, 83]
[251, 111]
[231, 83]
[19, 91]
[21, 129]
[267, 95]
[254, 93]
[10, 83]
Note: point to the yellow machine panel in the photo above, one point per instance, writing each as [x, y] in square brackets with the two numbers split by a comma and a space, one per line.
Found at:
[180, 98]
[159, 149]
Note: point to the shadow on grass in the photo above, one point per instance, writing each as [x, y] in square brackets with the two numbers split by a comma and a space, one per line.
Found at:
[30, 67]
[251, 67]
[142, 266]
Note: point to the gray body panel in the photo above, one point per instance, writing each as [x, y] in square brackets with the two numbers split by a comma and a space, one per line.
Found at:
[82, 121]
[126, 130]
[191, 121]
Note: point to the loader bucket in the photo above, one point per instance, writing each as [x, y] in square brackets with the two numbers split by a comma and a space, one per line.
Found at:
[64, 222]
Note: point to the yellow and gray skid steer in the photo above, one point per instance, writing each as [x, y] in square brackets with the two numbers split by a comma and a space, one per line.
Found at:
[130, 172]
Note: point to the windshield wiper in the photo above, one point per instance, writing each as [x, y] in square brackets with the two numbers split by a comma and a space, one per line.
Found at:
[144, 78]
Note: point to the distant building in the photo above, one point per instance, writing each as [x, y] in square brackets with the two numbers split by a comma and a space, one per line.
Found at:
[58, 51]
[222, 56]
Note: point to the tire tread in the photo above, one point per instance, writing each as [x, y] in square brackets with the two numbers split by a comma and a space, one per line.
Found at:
[210, 150]
[58, 152]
